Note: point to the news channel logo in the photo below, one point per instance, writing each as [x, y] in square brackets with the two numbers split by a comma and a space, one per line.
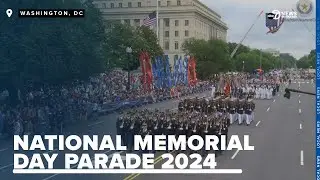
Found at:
[302, 12]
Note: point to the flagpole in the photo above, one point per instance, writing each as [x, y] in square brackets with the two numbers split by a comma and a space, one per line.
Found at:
[158, 20]
[244, 37]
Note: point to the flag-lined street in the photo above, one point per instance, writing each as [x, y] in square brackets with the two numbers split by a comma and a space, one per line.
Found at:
[282, 133]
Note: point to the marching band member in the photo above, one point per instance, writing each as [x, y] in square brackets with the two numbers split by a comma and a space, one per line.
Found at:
[240, 111]
[257, 92]
[213, 90]
[269, 92]
[249, 114]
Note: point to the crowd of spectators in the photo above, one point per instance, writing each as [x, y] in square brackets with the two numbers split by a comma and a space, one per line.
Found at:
[52, 108]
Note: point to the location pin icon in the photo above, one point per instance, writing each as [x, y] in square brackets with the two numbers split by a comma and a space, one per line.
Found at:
[9, 12]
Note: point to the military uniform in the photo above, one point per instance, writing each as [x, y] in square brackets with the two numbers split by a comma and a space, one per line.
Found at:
[232, 110]
[249, 108]
[240, 111]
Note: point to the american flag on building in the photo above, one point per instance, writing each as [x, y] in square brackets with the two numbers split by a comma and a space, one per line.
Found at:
[151, 20]
[274, 24]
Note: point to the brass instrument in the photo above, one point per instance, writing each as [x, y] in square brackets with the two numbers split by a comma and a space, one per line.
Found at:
[132, 124]
[170, 124]
[195, 127]
[156, 126]
[121, 126]
[181, 125]
[207, 124]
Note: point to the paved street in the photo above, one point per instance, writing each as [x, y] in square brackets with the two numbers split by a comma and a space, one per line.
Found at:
[282, 133]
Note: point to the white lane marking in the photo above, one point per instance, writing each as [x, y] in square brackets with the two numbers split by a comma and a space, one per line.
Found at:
[299, 111]
[299, 95]
[278, 94]
[258, 123]
[300, 126]
[6, 166]
[299, 102]
[235, 154]
[4, 149]
[268, 109]
[54, 175]
[274, 100]
[301, 158]
[100, 122]
[307, 82]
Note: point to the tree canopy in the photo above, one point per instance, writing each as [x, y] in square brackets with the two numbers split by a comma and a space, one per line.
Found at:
[307, 61]
[213, 56]
[120, 36]
[51, 50]
[57, 50]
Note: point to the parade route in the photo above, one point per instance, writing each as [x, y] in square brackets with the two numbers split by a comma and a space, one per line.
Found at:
[282, 133]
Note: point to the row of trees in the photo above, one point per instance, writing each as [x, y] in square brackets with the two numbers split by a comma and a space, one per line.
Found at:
[213, 56]
[57, 50]
[307, 61]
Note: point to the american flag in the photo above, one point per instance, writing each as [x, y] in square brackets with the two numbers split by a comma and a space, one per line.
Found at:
[151, 19]
[274, 25]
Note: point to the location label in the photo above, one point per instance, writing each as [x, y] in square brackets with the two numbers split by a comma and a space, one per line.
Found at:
[9, 12]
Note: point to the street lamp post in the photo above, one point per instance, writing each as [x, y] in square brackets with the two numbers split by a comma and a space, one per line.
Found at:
[129, 52]
[242, 66]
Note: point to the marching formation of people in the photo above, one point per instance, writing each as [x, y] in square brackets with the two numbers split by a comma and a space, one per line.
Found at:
[51, 108]
[195, 116]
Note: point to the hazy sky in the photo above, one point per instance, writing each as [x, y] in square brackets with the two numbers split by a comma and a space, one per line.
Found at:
[297, 38]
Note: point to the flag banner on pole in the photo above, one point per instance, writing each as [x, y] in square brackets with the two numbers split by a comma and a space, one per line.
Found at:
[167, 72]
[185, 71]
[192, 77]
[151, 20]
[274, 24]
[146, 71]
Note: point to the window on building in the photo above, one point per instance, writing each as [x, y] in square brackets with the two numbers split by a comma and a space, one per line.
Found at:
[166, 45]
[176, 45]
[186, 33]
[166, 34]
[120, 5]
[139, 4]
[176, 22]
[176, 33]
[137, 22]
[112, 5]
[179, 3]
[186, 22]
[167, 22]
[159, 3]
[127, 21]
[168, 3]
[130, 4]
[104, 5]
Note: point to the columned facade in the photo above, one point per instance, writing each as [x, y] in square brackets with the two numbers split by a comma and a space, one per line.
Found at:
[178, 20]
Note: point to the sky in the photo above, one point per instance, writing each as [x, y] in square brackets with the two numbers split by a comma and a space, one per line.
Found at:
[296, 38]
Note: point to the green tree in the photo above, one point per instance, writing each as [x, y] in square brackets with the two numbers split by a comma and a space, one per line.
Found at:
[51, 50]
[248, 61]
[120, 36]
[212, 56]
[287, 60]
[307, 61]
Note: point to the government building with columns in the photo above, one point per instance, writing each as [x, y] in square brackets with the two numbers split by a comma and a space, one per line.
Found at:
[179, 20]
